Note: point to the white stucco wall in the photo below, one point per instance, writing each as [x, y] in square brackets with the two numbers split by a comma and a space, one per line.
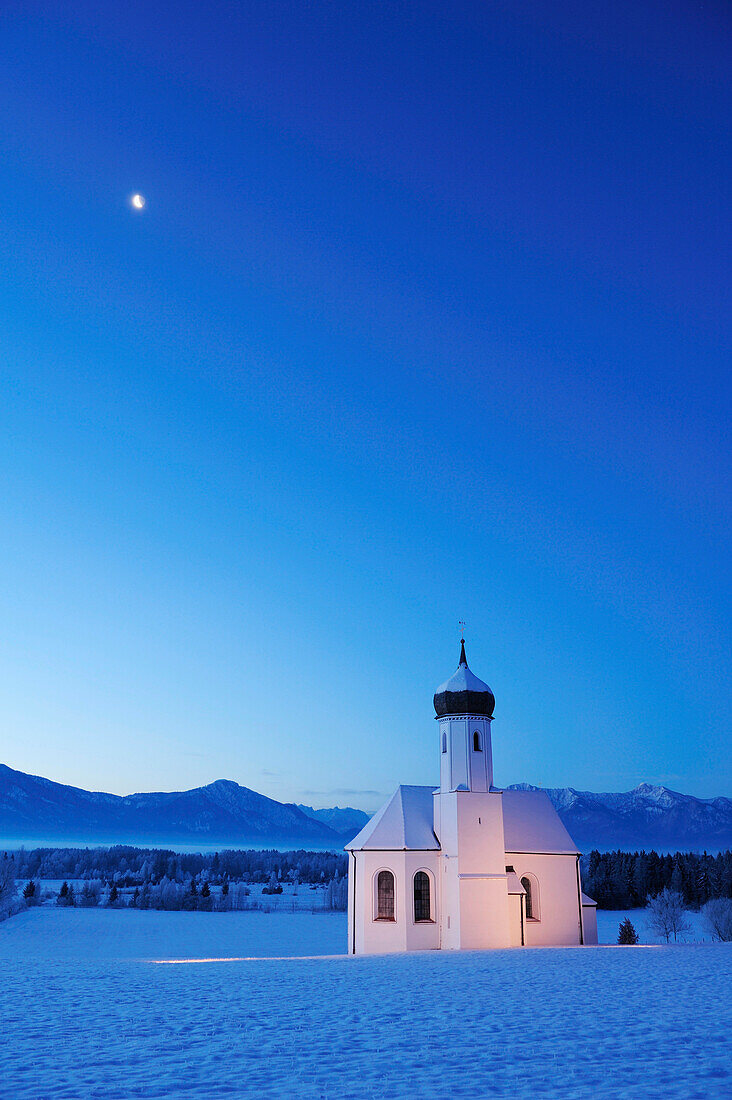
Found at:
[589, 920]
[445, 819]
[514, 919]
[460, 764]
[423, 935]
[374, 936]
[474, 891]
[469, 903]
[558, 920]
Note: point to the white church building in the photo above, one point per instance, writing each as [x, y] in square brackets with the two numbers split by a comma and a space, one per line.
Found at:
[468, 865]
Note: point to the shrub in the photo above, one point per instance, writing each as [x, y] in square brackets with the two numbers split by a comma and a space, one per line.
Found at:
[89, 896]
[10, 903]
[7, 882]
[65, 895]
[668, 915]
[31, 893]
[627, 933]
[717, 916]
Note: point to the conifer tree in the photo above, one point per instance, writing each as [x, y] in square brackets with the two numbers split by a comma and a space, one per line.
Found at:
[627, 933]
[640, 880]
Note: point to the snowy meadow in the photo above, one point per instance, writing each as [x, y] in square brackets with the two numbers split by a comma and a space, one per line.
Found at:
[120, 1003]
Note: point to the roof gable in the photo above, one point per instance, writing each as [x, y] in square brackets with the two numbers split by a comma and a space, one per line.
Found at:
[403, 823]
[531, 824]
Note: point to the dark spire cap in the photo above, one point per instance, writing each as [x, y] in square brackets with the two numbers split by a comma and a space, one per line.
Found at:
[464, 693]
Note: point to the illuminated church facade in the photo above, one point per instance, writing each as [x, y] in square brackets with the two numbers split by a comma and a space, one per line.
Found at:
[468, 865]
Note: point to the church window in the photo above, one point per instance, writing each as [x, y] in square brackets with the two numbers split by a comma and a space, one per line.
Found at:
[385, 896]
[477, 747]
[531, 901]
[422, 897]
[444, 742]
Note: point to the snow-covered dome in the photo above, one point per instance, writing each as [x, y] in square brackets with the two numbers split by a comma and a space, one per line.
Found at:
[464, 693]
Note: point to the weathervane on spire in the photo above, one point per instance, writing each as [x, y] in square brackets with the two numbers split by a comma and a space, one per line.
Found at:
[461, 624]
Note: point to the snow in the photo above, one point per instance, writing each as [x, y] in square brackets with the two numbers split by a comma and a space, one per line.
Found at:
[462, 680]
[531, 824]
[49, 933]
[609, 920]
[87, 1012]
[300, 898]
[404, 822]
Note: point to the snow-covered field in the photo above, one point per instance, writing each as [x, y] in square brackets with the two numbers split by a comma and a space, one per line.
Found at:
[608, 924]
[88, 1010]
[293, 899]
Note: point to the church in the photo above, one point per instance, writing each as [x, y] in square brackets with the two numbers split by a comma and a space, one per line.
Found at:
[466, 866]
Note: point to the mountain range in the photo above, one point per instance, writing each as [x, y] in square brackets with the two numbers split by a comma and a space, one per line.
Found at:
[221, 813]
[647, 817]
[224, 814]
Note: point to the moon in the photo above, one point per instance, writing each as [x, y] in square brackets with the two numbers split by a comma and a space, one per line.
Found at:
[138, 201]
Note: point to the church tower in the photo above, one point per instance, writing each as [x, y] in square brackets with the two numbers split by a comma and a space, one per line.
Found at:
[464, 708]
[468, 816]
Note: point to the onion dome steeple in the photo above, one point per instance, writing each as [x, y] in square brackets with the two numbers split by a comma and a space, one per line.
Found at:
[464, 693]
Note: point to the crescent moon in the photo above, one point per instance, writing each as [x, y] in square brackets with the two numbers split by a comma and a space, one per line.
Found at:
[138, 201]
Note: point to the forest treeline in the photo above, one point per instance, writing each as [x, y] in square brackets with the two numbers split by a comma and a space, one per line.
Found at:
[616, 880]
[624, 880]
[129, 866]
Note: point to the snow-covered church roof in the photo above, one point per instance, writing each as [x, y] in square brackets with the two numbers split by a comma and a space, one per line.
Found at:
[404, 823]
[531, 824]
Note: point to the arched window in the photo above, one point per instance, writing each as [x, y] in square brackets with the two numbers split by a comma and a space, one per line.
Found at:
[385, 896]
[526, 883]
[532, 897]
[477, 747]
[422, 897]
[444, 742]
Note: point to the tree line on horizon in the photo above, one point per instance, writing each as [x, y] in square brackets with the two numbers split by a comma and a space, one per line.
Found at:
[625, 880]
[193, 895]
[616, 880]
[128, 866]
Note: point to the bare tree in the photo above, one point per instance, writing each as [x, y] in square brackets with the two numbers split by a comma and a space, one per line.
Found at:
[8, 893]
[717, 915]
[667, 915]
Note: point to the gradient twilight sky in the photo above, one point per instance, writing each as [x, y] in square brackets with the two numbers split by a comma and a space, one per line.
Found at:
[426, 318]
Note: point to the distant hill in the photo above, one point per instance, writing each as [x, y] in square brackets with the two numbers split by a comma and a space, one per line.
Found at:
[343, 820]
[227, 815]
[647, 817]
[220, 813]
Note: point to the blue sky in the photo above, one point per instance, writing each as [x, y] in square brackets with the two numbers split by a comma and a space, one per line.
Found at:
[426, 318]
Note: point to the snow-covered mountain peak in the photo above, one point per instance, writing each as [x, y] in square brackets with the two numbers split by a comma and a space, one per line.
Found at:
[655, 791]
[224, 785]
